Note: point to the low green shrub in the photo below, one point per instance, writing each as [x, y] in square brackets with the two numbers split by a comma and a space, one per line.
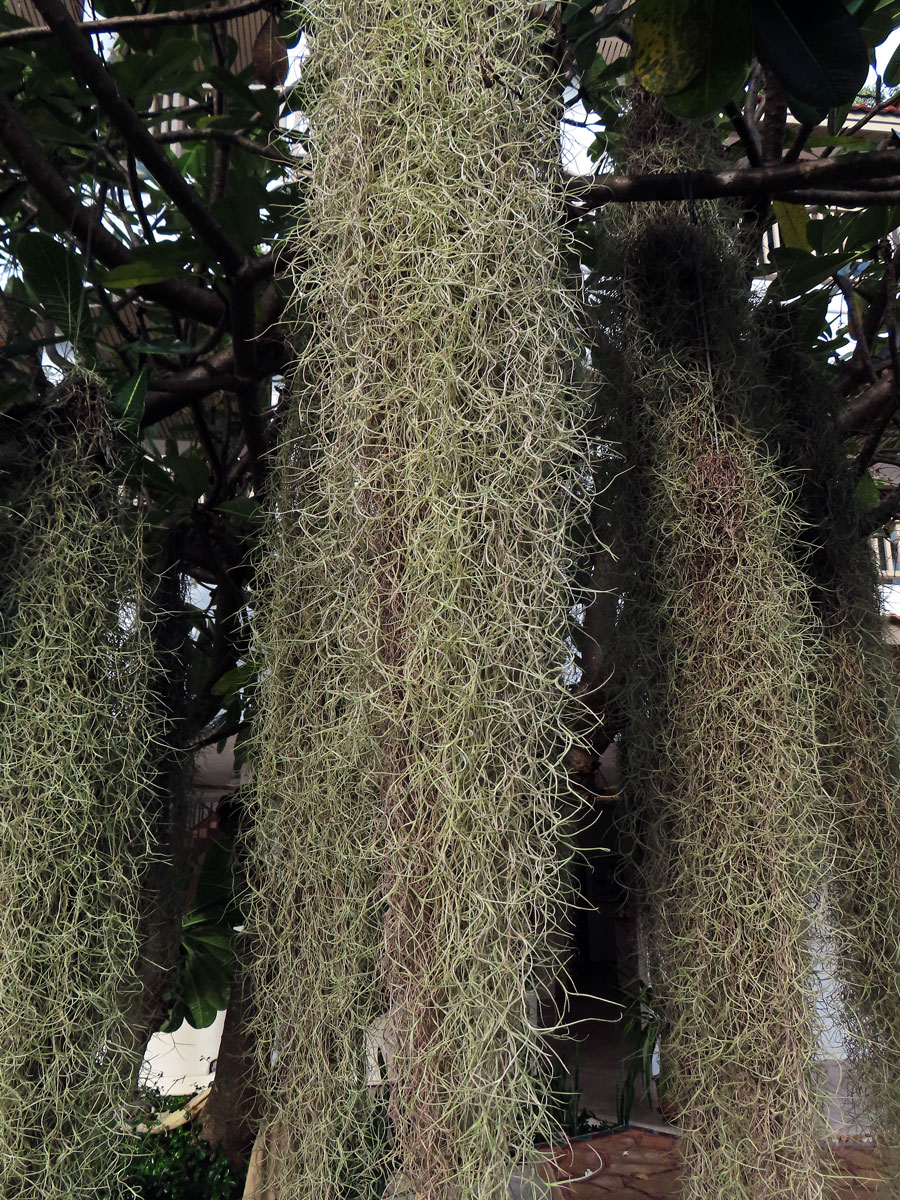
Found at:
[174, 1165]
[179, 1166]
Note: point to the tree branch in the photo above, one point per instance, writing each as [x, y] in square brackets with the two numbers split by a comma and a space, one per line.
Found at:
[196, 16]
[749, 136]
[244, 345]
[774, 122]
[862, 122]
[170, 393]
[93, 236]
[174, 136]
[869, 448]
[887, 509]
[858, 169]
[866, 407]
[845, 287]
[92, 71]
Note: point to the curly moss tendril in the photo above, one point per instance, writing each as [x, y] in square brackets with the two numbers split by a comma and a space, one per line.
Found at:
[717, 654]
[411, 847]
[77, 753]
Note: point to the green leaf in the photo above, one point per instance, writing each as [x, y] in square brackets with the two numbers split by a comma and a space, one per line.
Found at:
[799, 271]
[165, 345]
[215, 892]
[892, 70]
[792, 222]
[861, 10]
[670, 44]
[575, 10]
[877, 23]
[191, 474]
[200, 1000]
[137, 274]
[728, 51]
[867, 492]
[806, 114]
[244, 506]
[812, 317]
[864, 230]
[129, 402]
[814, 47]
[53, 277]
[235, 679]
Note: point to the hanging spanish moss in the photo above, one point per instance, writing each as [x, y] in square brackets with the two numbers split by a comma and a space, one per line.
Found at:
[77, 748]
[715, 662]
[858, 710]
[411, 815]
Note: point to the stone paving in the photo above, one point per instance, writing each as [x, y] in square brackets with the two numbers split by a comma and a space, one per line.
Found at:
[637, 1164]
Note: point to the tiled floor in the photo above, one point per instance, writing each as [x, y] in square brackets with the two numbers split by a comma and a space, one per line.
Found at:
[639, 1164]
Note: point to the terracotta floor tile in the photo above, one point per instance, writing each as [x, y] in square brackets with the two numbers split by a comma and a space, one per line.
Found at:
[643, 1165]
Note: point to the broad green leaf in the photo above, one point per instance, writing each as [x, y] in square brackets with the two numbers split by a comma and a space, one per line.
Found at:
[235, 679]
[864, 230]
[792, 222]
[837, 118]
[165, 345]
[799, 271]
[853, 233]
[54, 280]
[812, 316]
[202, 993]
[877, 23]
[671, 42]
[129, 402]
[576, 9]
[807, 114]
[866, 492]
[214, 896]
[728, 51]
[892, 70]
[719, 82]
[244, 506]
[138, 274]
[191, 474]
[815, 49]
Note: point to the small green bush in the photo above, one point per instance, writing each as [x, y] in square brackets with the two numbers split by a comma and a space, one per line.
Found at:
[178, 1166]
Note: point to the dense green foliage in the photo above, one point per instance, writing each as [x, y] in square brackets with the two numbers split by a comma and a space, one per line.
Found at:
[177, 1166]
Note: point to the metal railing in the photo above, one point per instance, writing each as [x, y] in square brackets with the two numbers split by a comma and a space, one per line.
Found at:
[886, 548]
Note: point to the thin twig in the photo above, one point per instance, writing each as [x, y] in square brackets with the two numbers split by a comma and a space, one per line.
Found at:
[748, 135]
[845, 287]
[888, 102]
[196, 16]
[796, 147]
[228, 136]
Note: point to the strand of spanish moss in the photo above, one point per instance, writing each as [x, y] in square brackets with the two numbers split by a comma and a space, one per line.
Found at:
[77, 753]
[716, 656]
[858, 714]
[410, 859]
